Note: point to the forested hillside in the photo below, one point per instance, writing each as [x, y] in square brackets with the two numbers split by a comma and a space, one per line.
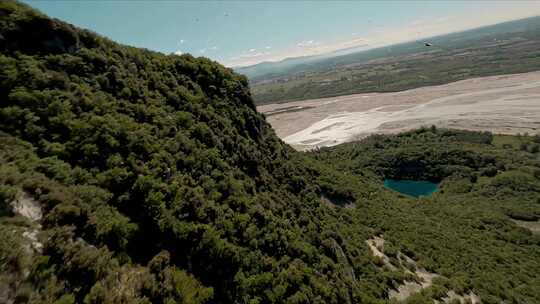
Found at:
[129, 176]
[158, 180]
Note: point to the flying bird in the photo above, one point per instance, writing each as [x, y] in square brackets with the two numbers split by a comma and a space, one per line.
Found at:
[428, 44]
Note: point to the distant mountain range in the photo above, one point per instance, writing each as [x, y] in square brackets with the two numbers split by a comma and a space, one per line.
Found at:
[269, 70]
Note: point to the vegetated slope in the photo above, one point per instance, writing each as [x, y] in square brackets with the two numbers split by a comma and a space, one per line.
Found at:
[159, 183]
[505, 48]
[466, 232]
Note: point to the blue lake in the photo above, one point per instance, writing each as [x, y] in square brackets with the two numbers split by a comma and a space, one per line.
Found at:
[411, 187]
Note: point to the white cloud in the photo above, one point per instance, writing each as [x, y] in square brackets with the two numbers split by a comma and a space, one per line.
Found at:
[443, 19]
[307, 43]
[267, 47]
[250, 54]
[354, 41]
[209, 49]
[418, 22]
[379, 36]
[178, 52]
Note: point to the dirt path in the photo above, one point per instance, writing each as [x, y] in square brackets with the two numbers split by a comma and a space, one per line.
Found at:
[506, 104]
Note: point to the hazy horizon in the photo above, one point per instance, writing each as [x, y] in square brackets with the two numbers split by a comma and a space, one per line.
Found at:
[240, 34]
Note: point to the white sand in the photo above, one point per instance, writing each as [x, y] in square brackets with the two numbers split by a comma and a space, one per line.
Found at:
[506, 104]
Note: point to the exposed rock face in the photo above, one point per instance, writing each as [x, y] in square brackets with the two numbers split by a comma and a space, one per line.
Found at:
[28, 207]
[409, 266]
[533, 226]
[32, 236]
[376, 245]
[25, 205]
[452, 297]
[28, 243]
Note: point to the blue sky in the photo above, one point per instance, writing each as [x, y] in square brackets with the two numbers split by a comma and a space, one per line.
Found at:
[241, 32]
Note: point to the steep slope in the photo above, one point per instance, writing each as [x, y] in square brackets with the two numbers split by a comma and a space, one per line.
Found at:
[151, 170]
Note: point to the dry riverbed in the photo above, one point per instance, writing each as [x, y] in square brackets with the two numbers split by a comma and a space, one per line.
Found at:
[507, 104]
